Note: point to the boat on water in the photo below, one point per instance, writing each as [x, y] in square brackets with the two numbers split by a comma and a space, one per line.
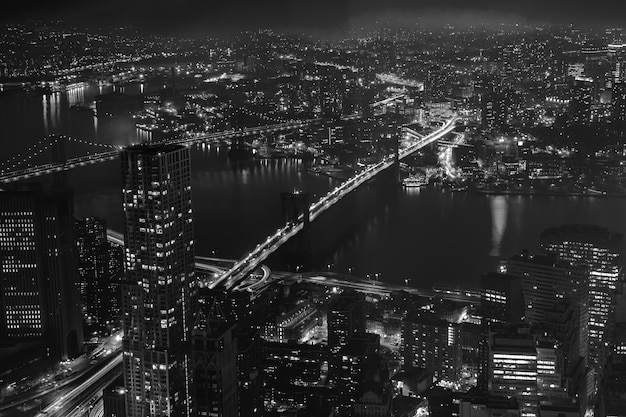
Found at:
[414, 181]
[83, 107]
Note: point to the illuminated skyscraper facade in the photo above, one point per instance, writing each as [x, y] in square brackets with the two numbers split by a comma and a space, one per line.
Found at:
[158, 294]
[38, 270]
[597, 249]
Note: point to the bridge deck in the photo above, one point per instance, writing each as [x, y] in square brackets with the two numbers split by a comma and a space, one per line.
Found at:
[252, 260]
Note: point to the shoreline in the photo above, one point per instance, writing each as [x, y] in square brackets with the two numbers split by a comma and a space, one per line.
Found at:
[549, 193]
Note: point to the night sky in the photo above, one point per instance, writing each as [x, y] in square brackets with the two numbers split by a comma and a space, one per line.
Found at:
[235, 15]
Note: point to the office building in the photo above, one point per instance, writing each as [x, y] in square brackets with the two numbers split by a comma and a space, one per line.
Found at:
[38, 271]
[513, 367]
[562, 323]
[596, 249]
[346, 317]
[237, 307]
[545, 281]
[502, 299]
[550, 369]
[158, 292]
[249, 372]
[94, 270]
[214, 363]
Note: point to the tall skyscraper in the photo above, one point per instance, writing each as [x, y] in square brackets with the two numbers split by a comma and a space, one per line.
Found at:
[94, 270]
[158, 294]
[38, 270]
[597, 249]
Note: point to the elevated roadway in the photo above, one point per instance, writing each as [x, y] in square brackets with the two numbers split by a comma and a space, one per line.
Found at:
[263, 250]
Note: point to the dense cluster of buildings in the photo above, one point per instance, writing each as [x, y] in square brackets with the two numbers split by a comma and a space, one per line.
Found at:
[544, 334]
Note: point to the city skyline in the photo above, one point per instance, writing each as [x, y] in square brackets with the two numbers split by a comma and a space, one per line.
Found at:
[408, 210]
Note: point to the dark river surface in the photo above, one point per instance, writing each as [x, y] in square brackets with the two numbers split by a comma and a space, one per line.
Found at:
[427, 235]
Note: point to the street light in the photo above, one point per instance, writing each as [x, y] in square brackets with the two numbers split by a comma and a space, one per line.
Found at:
[406, 282]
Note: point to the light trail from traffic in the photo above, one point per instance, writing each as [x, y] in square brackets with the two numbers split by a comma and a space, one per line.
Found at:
[59, 406]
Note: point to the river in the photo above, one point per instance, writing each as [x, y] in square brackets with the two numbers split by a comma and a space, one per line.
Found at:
[425, 236]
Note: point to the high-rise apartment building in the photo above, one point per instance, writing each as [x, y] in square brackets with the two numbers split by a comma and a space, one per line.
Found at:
[38, 271]
[158, 295]
[432, 343]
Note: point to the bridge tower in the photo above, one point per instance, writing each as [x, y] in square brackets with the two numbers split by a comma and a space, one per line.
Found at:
[396, 154]
[296, 252]
[59, 156]
[394, 147]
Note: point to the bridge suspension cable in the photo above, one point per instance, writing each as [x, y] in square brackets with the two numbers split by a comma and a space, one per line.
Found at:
[32, 152]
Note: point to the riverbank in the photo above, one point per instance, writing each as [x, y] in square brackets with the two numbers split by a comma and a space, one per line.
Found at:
[547, 192]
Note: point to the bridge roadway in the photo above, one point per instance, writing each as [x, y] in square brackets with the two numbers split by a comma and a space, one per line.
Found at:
[52, 167]
[251, 261]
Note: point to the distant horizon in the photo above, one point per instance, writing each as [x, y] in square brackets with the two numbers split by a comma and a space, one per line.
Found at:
[321, 18]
